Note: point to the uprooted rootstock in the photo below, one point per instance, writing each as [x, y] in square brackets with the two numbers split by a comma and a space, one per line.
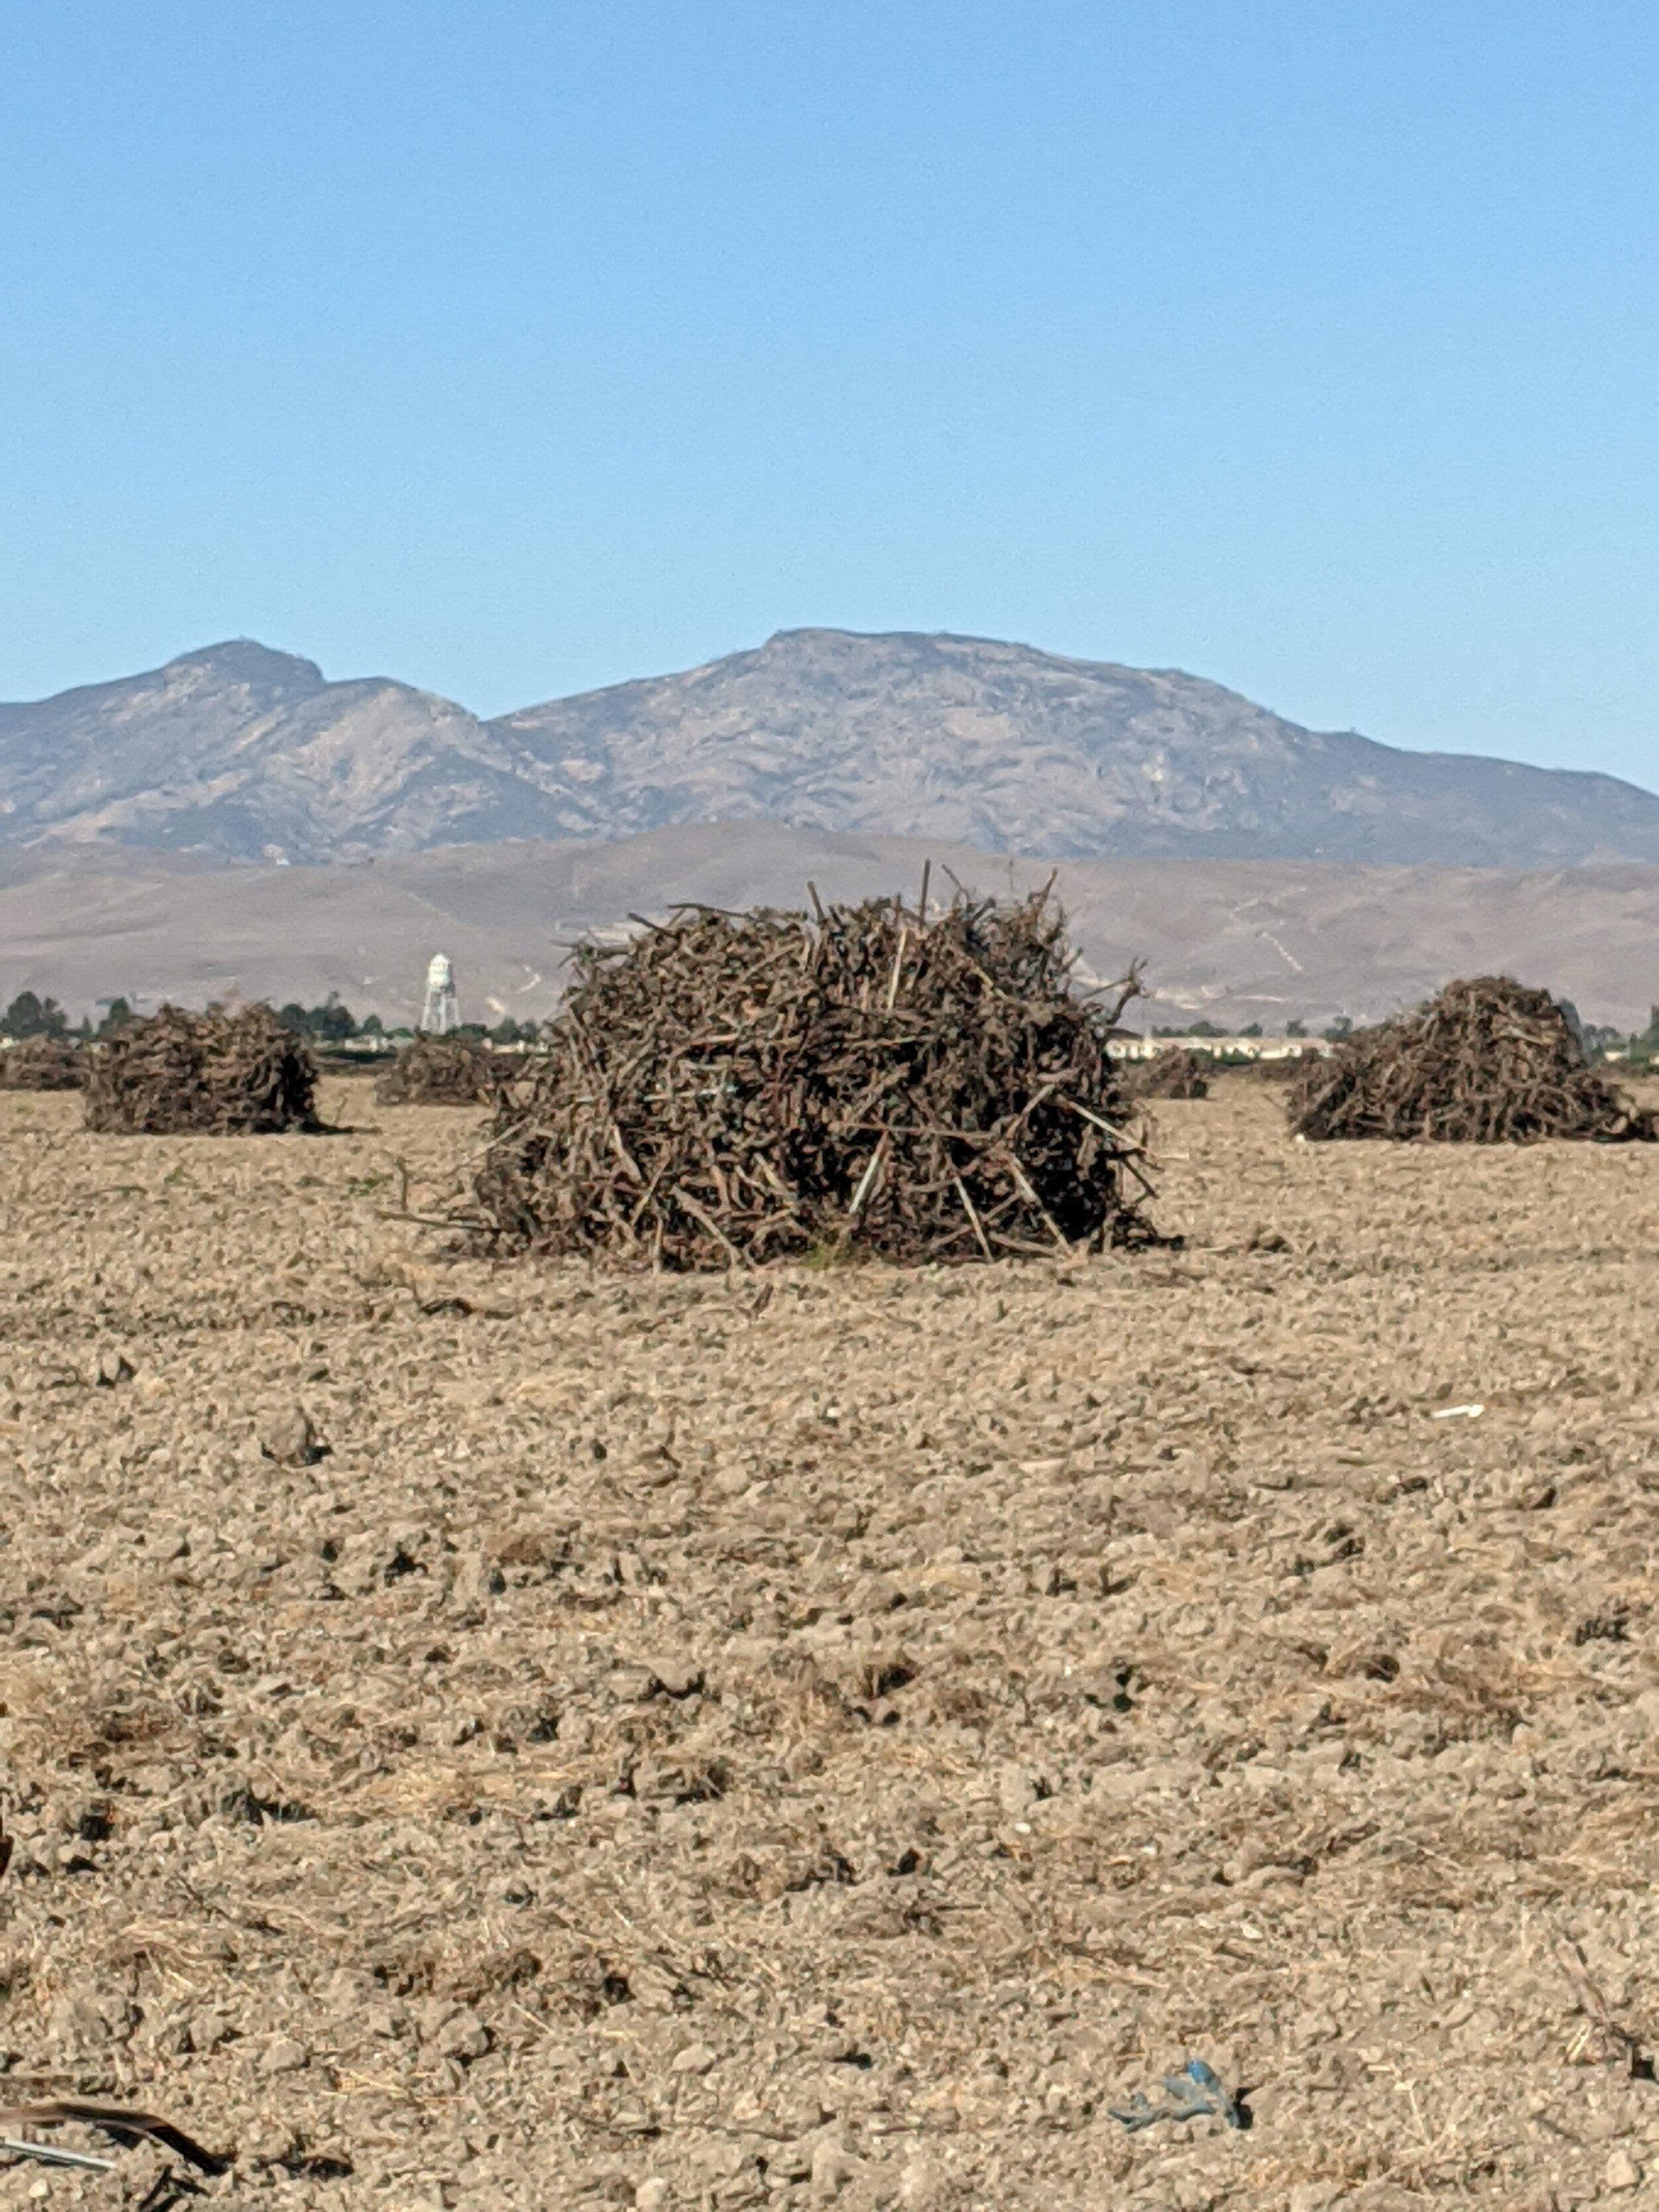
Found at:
[735, 1089]
[1178, 1074]
[215, 1073]
[1488, 1061]
[43, 1064]
[440, 1071]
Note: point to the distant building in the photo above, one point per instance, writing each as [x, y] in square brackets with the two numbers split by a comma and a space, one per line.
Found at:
[442, 1011]
[1220, 1048]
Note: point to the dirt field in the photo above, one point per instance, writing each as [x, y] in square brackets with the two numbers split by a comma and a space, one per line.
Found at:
[686, 1743]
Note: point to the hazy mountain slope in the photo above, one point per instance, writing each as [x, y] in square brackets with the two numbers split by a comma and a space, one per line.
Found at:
[1010, 749]
[1235, 940]
[252, 754]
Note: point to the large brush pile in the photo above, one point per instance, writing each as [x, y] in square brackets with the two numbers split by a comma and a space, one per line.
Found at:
[440, 1071]
[737, 1089]
[42, 1064]
[1180, 1074]
[211, 1074]
[1488, 1062]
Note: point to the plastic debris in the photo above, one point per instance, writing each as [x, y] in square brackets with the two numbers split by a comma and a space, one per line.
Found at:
[120, 2121]
[1194, 2093]
[1457, 1413]
[50, 2155]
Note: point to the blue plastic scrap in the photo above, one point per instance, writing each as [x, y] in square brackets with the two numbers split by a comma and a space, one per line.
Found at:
[1193, 2095]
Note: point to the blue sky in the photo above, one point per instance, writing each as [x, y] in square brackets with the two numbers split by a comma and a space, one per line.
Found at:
[513, 348]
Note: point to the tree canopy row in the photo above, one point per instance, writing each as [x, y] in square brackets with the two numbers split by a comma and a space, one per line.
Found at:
[31, 1016]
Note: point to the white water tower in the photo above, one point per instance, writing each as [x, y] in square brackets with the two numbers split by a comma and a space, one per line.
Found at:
[442, 1010]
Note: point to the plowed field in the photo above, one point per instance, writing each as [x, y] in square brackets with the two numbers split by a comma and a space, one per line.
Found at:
[833, 1738]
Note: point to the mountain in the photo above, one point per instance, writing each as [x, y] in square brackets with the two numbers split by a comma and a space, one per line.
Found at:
[251, 754]
[1009, 750]
[1235, 941]
[246, 755]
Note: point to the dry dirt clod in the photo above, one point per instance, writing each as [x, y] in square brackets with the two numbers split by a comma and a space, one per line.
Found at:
[289, 1437]
[464, 2038]
[115, 1368]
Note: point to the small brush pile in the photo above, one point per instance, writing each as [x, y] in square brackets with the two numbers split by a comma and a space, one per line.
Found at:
[735, 1089]
[1285, 1066]
[440, 1071]
[1180, 1074]
[1488, 1062]
[211, 1074]
[42, 1064]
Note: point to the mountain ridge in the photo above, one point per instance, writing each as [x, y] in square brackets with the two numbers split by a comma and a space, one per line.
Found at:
[247, 754]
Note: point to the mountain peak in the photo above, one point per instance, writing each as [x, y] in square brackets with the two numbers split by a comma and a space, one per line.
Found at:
[244, 660]
[239, 750]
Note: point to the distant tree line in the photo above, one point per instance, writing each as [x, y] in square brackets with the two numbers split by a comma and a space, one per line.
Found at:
[28, 1016]
[331, 1023]
[1599, 1040]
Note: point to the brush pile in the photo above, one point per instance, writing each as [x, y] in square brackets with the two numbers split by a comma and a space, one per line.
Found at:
[440, 1071]
[211, 1074]
[1488, 1062]
[1285, 1066]
[42, 1063]
[1180, 1074]
[736, 1089]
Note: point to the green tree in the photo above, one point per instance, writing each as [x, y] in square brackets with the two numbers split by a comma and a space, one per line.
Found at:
[1341, 1030]
[117, 1015]
[28, 1016]
[332, 1022]
[1296, 1029]
[328, 1024]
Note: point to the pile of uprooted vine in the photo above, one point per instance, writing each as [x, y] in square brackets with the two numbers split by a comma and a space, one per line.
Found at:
[1488, 1061]
[216, 1074]
[43, 1063]
[1178, 1074]
[441, 1071]
[735, 1089]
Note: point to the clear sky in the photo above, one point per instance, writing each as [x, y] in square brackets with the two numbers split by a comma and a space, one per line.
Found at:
[517, 346]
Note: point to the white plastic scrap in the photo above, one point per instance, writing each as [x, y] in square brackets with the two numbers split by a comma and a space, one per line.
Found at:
[50, 2154]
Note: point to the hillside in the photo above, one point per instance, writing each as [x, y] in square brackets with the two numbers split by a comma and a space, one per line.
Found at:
[1235, 941]
[248, 755]
[1012, 751]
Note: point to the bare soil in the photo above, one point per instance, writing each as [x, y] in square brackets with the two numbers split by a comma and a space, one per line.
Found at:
[831, 1738]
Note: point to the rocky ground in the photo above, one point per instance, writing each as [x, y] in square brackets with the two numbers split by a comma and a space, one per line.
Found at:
[528, 1738]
